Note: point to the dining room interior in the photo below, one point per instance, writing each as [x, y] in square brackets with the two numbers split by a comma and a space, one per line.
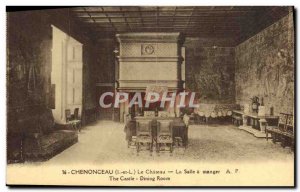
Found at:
[105, 83]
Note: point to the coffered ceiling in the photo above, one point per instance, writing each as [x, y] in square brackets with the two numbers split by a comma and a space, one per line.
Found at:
[238, 23]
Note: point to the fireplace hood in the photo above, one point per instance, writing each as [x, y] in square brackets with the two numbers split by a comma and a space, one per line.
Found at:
[149, 59]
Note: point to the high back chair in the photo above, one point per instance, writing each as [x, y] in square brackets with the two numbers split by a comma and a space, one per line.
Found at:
[282, 121]
[68, 115]
[281, 126]
[144, 135]
[284, 132]
[164, 136]
[73, 120]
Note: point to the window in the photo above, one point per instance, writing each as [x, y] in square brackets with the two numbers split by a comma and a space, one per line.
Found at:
[66, 73]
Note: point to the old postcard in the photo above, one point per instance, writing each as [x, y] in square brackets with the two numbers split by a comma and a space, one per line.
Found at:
[151, 96]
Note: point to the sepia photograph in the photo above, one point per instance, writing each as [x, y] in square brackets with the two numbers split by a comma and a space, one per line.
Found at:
[164, 96]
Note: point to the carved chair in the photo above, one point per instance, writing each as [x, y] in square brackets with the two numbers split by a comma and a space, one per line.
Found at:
[284, 131]
[74, 119]
[164, 136]
[144, 135]
[77, 120]
[68, 115]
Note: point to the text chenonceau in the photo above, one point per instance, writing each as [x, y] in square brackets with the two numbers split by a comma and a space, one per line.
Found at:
[109, 171]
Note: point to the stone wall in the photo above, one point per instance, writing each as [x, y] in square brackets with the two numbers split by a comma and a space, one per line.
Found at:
[210, 69]
[265, 67]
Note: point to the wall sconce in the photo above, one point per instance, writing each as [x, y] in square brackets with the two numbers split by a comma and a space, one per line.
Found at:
[116, 51]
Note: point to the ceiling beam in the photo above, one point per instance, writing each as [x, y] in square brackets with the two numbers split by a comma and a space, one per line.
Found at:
[87, 20]
[125, 20]
[164, 16]
[202, 24]
[210, 21]
[89, 15]
[190, 17]
[170, 11]
[108, 18]
[141, 16]
[176, 29]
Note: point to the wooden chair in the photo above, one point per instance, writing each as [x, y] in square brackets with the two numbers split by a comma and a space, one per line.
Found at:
[77, 120]
[130, 130]
[68, 115]
[284, 132]
[164, 136]
[144, 135]
[73, 120]
[180, 134]
[280, 127]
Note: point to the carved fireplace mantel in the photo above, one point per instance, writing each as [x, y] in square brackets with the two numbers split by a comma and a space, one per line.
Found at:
[149, 59]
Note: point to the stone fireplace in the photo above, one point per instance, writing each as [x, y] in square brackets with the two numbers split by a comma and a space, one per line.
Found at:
[149, 59]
